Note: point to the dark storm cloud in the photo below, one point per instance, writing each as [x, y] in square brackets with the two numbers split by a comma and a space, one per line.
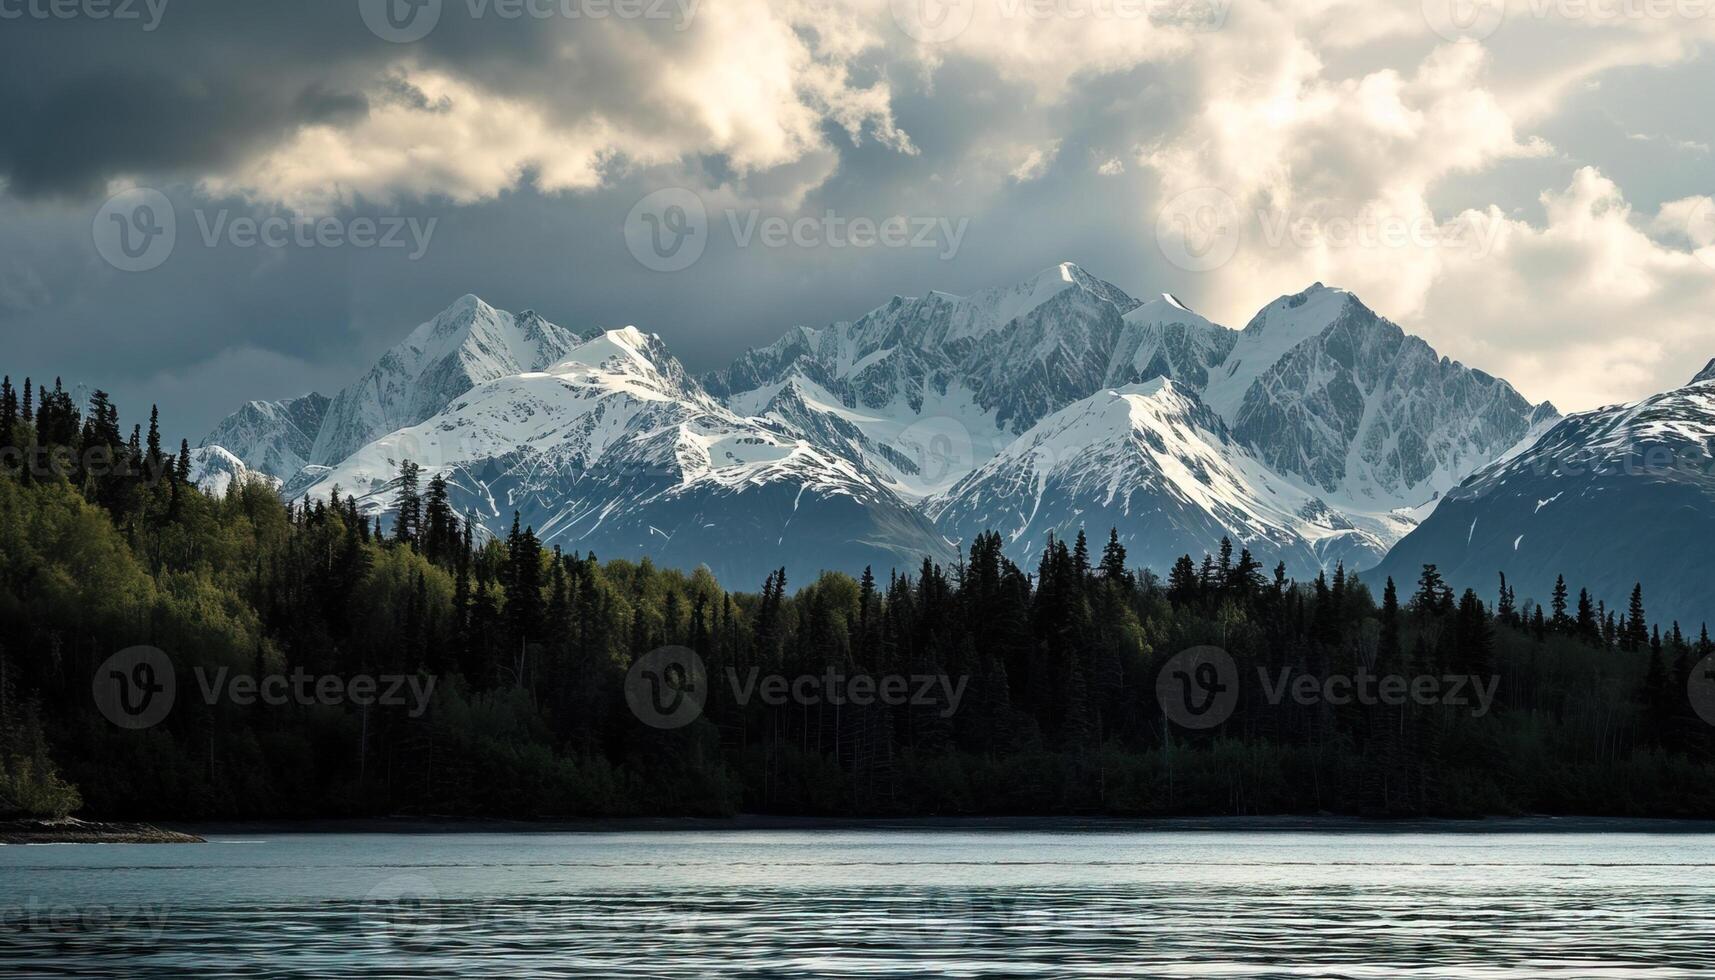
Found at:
[218, 82]
[89, 100]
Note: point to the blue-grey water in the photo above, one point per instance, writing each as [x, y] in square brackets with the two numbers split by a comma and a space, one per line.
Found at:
[906, 903]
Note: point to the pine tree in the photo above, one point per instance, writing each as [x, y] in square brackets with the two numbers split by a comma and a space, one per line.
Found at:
[1113, 560]
[1637, 624]
[1504, 603]
[152, 447]
[1558, 603]
[1387, 646]
[1182, 583]
[408, 502]
[8, 414]
[1587, 627]
[1431, 591]
[440, 527]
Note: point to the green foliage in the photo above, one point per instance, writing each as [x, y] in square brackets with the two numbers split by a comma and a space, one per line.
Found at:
[528, 647]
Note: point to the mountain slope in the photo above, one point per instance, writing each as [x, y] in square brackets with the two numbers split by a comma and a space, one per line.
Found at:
[1155, 463]
[615, 449]
[1324, 390]
[272, 437]
[948, 381]
[468, 343]
[1608, 498]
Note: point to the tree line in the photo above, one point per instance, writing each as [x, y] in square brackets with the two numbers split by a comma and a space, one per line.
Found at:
[113, 546]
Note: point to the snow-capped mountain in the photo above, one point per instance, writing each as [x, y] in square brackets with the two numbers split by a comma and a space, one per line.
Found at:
[214, 471]
[1320, 433]
[615, 449]
[272, 437]
[468, 343]
[937, 385]
[1317, 385]
[1323, 389]
[1154, 462]
[1608, 498]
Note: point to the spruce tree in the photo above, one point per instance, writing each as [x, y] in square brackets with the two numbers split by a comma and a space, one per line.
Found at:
[408, 502]
[1113, 559]
[1637, 632]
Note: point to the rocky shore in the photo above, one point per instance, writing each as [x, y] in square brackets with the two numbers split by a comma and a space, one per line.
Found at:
[70, 830]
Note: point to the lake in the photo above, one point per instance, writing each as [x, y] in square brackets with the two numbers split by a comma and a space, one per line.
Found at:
[868, 903]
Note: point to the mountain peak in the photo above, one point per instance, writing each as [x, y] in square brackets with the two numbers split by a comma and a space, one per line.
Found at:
[1707, 374]
[468, 303]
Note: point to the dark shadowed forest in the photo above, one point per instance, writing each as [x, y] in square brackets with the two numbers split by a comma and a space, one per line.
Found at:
[1043, 701]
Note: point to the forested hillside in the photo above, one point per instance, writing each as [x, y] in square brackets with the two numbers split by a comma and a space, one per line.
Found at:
[106, 545]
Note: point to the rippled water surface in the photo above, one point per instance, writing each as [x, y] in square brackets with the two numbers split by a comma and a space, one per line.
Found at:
[879, 903]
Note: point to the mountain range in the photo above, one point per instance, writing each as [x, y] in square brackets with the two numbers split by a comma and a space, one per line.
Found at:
[1319, 433]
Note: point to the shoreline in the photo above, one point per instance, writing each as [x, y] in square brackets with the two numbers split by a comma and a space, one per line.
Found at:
[70, 830]
[74, 831]
[766, 823]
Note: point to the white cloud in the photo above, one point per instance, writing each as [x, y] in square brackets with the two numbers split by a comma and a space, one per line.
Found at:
[747, 81]
[1321, 119]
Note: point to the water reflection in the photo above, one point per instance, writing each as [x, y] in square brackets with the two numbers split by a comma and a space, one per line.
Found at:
[868, 905]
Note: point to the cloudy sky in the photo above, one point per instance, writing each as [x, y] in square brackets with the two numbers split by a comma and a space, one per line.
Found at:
[205, 201]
